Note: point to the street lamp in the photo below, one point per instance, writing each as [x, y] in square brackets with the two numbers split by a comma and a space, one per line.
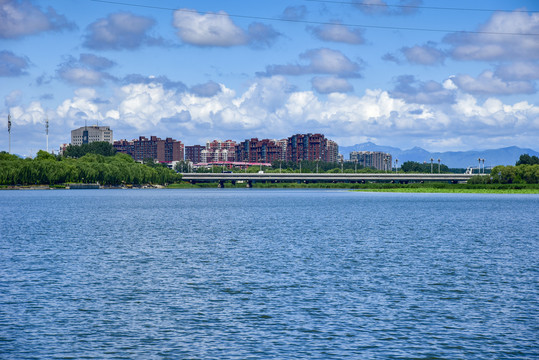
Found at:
[431, 160]
[483, 166]
[479, 168]
[355, 169]
[396, 165]
[439, 165]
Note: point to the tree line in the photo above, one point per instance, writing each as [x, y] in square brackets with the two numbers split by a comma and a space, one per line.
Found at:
[48, 169]
[525, 171]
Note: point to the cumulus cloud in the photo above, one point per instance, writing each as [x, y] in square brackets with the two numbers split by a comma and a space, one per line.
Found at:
[487, 83]
[271, 108]
[86, 71]
[496, 117]
[295, 12]
[21, 18]
[120, 31]
[330, 84]
[497, 46]
[262, 35]
[217, 29]
[424, 55]
[208, 89]
[211, 29]
[392, 58]
[12, 65]
[30, 115]
[414, 91]
[381, 7]
[338, 33]
[164, 81]
[518, 71]
[81, 107]
[319, 61]
[96, 62]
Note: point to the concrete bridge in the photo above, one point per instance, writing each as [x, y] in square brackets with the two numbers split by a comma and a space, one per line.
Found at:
[250, 178]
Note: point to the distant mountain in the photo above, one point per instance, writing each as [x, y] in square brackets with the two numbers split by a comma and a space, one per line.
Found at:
[453, 159]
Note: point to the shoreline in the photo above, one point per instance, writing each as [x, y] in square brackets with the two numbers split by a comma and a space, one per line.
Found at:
[380, 187]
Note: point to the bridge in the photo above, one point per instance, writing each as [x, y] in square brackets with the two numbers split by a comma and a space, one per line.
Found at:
[250, 178]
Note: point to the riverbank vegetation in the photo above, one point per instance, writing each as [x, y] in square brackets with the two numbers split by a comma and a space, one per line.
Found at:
[377, 187]
[525, 171]
[89, 168]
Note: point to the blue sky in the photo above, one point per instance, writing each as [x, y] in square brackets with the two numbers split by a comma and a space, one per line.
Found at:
[442, 75]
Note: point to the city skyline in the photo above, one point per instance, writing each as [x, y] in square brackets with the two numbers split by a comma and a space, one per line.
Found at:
[399, 73]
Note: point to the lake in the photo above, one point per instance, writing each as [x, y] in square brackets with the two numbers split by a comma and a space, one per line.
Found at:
[268, 274]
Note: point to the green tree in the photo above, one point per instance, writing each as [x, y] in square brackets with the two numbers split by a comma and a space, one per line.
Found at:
[98, 147]
[526, 159]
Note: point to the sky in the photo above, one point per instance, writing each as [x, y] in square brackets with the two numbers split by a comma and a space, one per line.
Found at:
[444, 76]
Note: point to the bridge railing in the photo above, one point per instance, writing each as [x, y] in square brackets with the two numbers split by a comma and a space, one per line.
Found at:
[323, 177]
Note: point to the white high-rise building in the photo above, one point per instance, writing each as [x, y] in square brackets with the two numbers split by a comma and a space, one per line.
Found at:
[90, 134]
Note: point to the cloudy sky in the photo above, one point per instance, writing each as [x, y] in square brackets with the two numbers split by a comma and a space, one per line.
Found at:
[442, 75]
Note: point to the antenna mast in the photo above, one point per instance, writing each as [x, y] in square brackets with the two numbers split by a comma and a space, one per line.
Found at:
[47, 132]
[9, 131]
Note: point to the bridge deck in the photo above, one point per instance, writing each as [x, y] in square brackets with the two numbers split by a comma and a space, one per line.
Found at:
[342, 177]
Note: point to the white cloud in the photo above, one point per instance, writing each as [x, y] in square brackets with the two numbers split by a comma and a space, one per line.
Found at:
[271, 108]
[217, 29]
[497, 46]
[211, 29]
[338, 33]
[489, 83]
[120, 31]
[381, 7]
[518, 71]
[22, 18]
[496, 114]
[81, 107]
[326, 85]
[32, 114]
[424, 55]
[81, 76]
[319, 61]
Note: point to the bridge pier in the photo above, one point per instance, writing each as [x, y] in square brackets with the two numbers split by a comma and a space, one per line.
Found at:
[221, 184]
[249, 184]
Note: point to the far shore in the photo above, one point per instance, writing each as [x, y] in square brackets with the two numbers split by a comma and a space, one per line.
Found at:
[370, 187]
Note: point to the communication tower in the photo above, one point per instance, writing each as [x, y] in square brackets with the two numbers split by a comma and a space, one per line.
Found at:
[47, 132]
[9, 131]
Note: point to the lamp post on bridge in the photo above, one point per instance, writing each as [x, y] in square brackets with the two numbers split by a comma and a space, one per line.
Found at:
[439, 165]
[396, 165]
[431, 160]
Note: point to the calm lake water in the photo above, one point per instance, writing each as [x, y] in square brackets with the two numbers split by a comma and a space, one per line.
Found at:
[268, 274]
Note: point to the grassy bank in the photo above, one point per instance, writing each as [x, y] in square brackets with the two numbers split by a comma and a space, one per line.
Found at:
[384, 187]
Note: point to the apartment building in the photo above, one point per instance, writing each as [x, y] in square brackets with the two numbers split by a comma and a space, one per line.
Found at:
[373, 159]
[155, 148]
